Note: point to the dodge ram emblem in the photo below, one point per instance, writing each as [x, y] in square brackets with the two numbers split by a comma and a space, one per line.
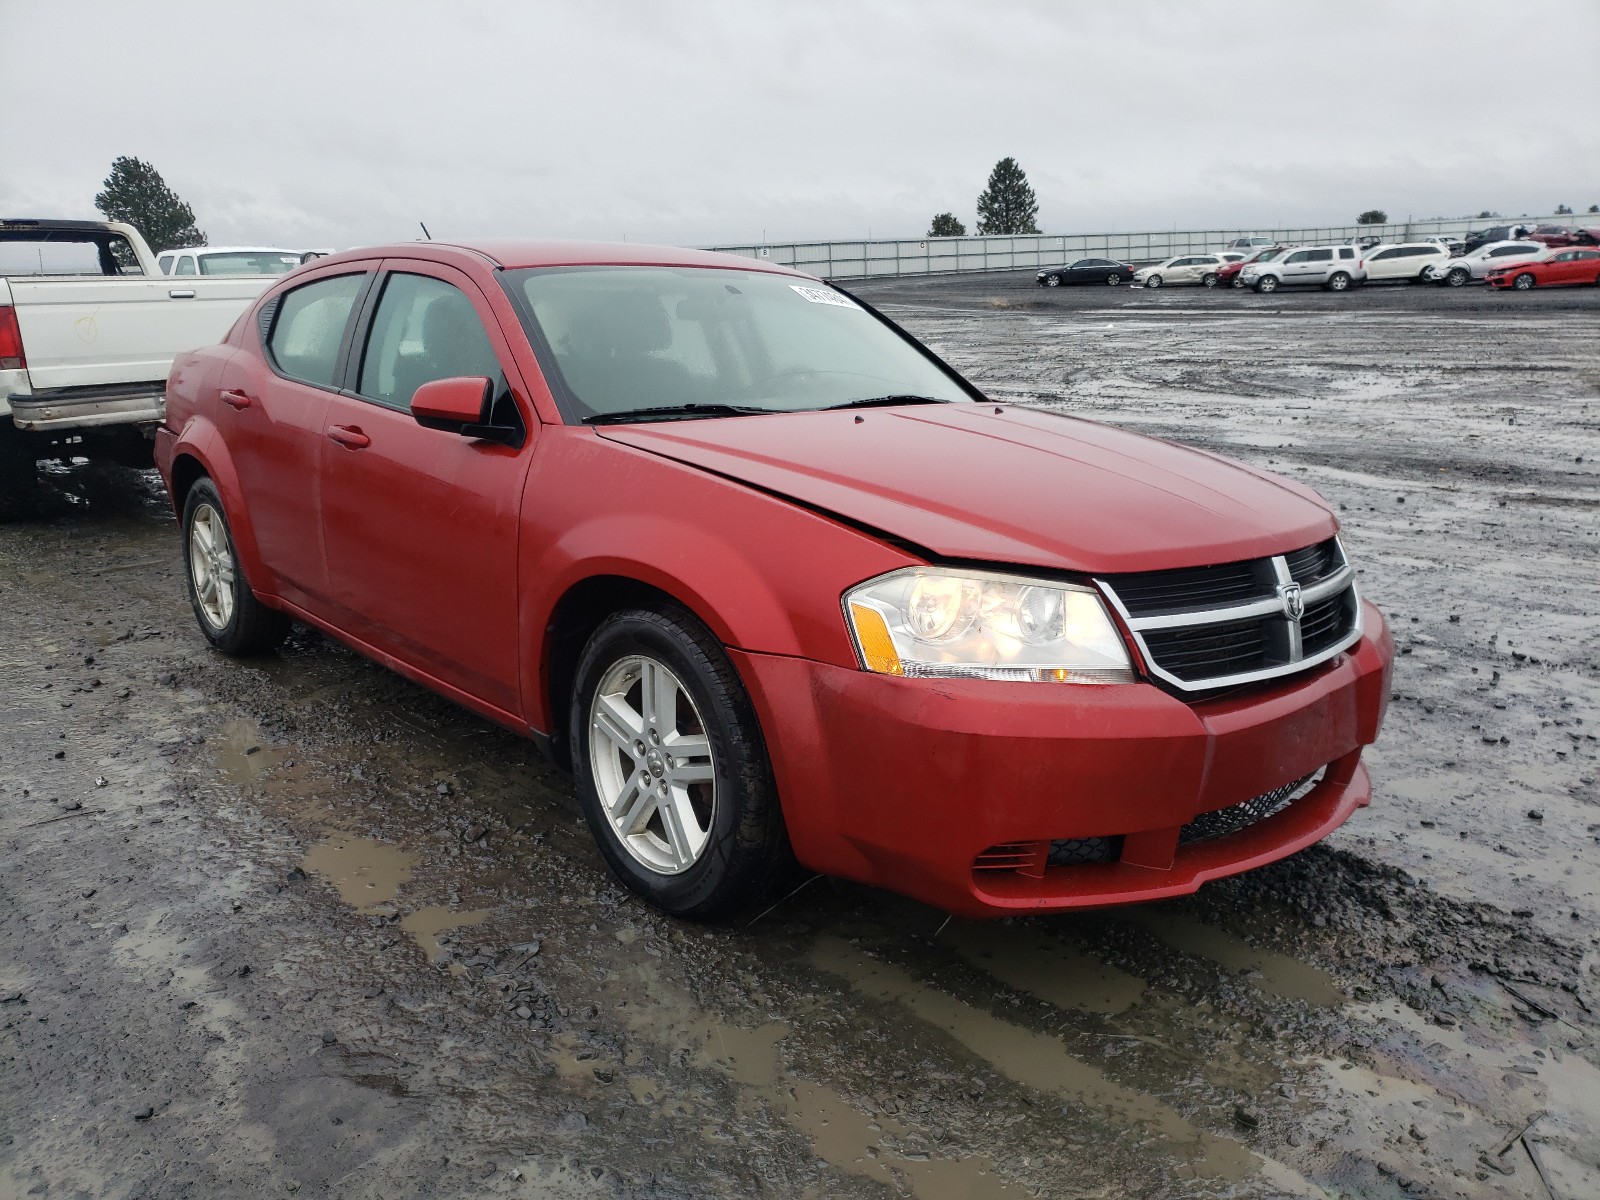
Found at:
[1294, 605]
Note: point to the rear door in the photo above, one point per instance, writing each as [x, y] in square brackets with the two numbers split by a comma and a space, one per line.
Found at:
[421, 524]
[271, 412]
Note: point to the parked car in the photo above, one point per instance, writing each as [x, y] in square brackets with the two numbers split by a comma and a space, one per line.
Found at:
[774, 580]
[1454, 245]
[228, 260]
[1573, 265]
[1475, 265]
[1229, 273]
[1335, 268]
[1250, 244]
[88, 328]
[1086, 270]
[1495, 233]
[1559, 235]
[1406, 261]
[1180, 268]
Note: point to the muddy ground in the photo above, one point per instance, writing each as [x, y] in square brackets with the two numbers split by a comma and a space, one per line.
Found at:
[296, 926]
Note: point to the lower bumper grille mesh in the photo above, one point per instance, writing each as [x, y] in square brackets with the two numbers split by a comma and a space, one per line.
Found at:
[1224, 821]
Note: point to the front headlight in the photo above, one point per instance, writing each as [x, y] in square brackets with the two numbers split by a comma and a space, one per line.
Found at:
[944, 622]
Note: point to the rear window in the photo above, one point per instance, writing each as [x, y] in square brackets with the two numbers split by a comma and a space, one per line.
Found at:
[66, 252]
[248, 264]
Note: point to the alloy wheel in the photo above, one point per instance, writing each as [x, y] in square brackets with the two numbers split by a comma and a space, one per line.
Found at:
[653, 766]
[1522, 282]
[211, 566]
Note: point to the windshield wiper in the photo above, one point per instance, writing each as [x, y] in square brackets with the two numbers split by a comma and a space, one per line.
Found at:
[672, 412]
[883, 401]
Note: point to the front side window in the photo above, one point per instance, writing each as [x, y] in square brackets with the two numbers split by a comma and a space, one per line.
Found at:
[624, 339]
[425, 329]
[309, 328]
[165, 263]
[1299, 256]
[1319, 255]
[1506, 251]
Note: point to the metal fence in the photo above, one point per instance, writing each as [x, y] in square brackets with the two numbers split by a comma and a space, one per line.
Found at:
[940, 256]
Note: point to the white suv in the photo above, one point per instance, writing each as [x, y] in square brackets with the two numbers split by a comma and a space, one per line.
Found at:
[1458, 271]
[1404, 260]
[1333, 267]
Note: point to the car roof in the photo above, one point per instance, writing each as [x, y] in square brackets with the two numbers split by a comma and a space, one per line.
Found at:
[230, 250]
[512, 255]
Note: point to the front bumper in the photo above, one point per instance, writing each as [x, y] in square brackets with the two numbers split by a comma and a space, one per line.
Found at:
[923, 786]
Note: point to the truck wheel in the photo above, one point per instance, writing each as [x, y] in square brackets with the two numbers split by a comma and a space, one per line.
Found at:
[18, 470]
[1338, 282]
[1267, 283]
[230, 616]
[671, 767]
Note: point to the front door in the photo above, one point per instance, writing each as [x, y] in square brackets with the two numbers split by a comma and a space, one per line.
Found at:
[420, 524]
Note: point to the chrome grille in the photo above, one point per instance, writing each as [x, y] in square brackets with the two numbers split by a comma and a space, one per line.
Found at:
[1218, 626]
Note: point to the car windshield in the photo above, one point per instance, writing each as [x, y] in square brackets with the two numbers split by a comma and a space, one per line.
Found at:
[265, 262]
[700, 341]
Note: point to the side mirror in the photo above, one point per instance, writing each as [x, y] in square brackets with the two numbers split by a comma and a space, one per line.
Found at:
[452, 402]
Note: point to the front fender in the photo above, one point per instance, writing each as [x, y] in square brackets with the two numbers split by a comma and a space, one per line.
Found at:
[764, 575]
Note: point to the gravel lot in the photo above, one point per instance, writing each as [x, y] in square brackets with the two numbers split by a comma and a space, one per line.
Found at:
[297, 926]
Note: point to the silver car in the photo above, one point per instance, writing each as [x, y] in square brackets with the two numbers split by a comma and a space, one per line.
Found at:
[1456, 272]
[1335, 268]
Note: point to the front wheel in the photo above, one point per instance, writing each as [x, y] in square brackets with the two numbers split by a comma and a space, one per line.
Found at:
[1458, 277]
[1267, 283]
[1523, 282]
[1338, 282]
[231, 617]
[1052, 281]
[672, 769]
[1153, 281]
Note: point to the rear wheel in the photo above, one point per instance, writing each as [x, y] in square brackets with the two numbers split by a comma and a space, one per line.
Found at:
[1209, 279]
[1267, 283]
[1113, 279]
[1523, 282]
[230, 616]
[1152, 281]
[672, 769]
[1339, 281]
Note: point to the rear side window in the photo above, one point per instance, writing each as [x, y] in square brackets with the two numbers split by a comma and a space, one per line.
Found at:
[165, 262]
[309, 328]
[424, 329]
[1586, 254]
[1347, 252]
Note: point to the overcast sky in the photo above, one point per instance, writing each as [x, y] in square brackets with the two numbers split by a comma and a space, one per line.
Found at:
[343, 122]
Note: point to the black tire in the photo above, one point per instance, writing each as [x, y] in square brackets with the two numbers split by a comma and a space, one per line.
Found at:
[1152, 281]
[19, 478]
[1267, 283]
[1457, 277]
[1113, 278]
[1524, 281]
[251, 627]
[746, 857]
[1339, 281]
[1209, 279]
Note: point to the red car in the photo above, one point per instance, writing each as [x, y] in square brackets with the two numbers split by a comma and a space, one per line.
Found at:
[775, 581]
[1578, 265]
[1228, 276]
[1561, 235]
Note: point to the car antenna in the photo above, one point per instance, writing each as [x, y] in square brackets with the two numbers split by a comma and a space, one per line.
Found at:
[425, 232]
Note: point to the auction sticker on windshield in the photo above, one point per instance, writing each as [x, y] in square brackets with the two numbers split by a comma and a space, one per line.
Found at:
[824, 296]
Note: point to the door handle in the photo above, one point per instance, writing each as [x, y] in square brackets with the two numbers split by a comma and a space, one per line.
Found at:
[350, 437]
[182, 293]
[234, 398]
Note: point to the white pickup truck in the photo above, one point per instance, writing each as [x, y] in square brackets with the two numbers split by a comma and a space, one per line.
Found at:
[88, 329]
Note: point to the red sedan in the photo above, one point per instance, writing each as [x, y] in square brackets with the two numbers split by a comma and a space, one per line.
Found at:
[1228, 276]
[774, 581]
[1578, 265]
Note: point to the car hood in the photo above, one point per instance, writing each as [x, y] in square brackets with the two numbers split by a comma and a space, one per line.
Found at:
[1004, 484]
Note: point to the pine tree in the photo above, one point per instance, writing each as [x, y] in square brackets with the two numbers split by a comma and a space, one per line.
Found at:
[136, 193]
[1373, 216]
[1008, 204]
[945, 224]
